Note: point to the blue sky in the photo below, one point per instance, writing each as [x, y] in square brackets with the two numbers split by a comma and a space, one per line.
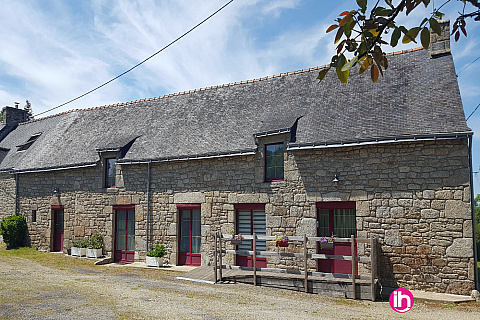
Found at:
[53, 51]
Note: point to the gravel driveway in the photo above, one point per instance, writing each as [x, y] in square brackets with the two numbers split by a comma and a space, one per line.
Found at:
[67, 289]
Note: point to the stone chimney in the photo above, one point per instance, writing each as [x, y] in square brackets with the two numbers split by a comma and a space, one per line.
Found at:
[440, 45]
[14, 116]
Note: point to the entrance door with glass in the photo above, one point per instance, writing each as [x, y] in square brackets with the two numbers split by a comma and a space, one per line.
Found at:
[190, 234]
[338, 219]
[58, 227]
[251, 219]
[125, 235]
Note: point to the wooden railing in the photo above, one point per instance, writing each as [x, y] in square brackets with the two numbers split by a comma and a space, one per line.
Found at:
[372, 259]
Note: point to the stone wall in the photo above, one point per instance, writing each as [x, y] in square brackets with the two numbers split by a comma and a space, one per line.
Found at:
[7, 195]
[413, 195]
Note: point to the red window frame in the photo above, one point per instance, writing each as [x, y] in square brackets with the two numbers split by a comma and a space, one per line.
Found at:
[339, 248]
[247, 261]
[188, 258]
[124, 256]
[266, 163]
[106, 175]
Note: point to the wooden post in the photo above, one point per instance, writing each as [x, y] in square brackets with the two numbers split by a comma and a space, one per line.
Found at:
[305, 261]
[215, 256]
[352, 239]
[254, 259]
[220, 254]
[373, 264]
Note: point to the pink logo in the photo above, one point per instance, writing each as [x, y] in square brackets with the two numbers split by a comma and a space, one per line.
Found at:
[401, 300]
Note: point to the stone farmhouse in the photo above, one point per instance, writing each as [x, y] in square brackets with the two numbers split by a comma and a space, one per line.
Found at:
[280, 155]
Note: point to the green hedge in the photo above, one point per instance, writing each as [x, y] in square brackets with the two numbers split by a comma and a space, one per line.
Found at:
[14, 231]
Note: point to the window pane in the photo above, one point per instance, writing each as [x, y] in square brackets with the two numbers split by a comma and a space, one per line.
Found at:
[344, 225]
[323, 223]
[110, 172]
[274, 160]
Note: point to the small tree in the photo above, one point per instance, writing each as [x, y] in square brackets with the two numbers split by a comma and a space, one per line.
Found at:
[14, 231]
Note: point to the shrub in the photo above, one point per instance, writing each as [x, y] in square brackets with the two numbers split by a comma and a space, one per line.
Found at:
[95, 241]
[80, 243]
[14, 231]
[158, 251]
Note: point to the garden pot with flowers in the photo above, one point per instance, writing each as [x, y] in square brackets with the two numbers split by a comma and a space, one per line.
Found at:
[95, 245]
[79, 248]
[281, 241]
[236, 239]
[154, 257]
[326, 242]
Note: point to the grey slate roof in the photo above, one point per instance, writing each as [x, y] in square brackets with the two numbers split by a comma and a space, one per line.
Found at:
[417, 96]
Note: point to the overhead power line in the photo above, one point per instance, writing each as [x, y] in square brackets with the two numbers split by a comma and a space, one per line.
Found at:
[473, 112]
[468, 65]
[140, 63]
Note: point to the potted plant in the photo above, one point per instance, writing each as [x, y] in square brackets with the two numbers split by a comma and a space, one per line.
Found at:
[95, 244]
[79, 248]
[326, 242]
[155, 255]
[281, 241]
[236, 239]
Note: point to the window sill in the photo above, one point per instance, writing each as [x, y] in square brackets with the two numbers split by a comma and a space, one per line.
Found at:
[112, 190]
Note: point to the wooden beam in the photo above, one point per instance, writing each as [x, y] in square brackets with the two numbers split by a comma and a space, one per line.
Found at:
[254, 259]
[352, 239]
[373, 265]
[220, 256]
[215, 235]
[305, 261]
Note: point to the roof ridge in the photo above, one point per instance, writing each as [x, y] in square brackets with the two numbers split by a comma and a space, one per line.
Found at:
[231, 84]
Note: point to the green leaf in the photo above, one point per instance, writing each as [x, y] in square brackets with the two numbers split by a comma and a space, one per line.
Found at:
[382, 12]
[411, 35]
[435, 26]
[350, 64]
[362, 4]
[395, 37]
[425, 38]
[342, 75]
[322, 74]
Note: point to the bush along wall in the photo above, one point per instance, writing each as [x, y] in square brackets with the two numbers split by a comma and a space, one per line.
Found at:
[14, 231]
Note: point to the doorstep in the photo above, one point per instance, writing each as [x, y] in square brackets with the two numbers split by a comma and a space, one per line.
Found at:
[144, 266]
[440, 297]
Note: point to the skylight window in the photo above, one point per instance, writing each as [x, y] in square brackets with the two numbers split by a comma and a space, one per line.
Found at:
[29, 142]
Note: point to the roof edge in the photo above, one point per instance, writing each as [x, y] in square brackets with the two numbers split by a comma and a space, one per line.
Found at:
[193, 157]
[381, 140]
[46, 169]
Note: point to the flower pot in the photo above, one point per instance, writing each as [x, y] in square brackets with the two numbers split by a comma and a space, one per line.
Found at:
[282, 243]
[236, 242]
[326, 245]
[78, 252]
[153, 261]
[94, 253]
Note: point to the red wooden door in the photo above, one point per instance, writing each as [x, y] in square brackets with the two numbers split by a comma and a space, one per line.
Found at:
[125, 236]
[190, 243]
[58, 228]
[251, 219]
[338, 219]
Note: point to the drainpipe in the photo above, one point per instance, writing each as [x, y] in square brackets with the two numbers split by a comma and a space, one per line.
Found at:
[472, 204]
[148, 199]
[16, 194]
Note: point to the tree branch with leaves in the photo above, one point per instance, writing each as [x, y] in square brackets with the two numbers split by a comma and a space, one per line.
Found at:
[363, 34]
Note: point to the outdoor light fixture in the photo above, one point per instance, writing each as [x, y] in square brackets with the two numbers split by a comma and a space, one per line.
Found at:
[335, 180]
[56, 191]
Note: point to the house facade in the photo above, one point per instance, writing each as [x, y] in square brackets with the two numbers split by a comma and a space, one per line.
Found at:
[281, 155]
